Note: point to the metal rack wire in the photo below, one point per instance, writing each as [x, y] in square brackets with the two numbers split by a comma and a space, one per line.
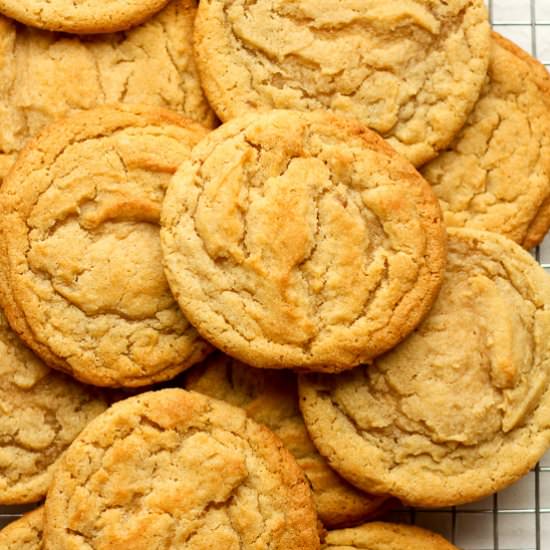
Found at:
[518, 518]
[11, 513]
[504, 521]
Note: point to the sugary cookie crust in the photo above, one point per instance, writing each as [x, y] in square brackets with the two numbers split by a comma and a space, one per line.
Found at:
[25, 533]
[301, 240]
[45, 75]
[385, 536]
[83, 281]
[496, 174]
[461, 408]
[175, 469]
[81, 16]
[41, 412]
[270, 398]
[411, 69]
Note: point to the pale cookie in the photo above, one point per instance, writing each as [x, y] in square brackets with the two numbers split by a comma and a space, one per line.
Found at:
[461, 409]
[496, 175]
[83, 280]
[301, 240]
[270, 398]
[44, 75]
[81, 16]
[25, 533]
[385, 536]
[411, 69]
[41, 412]
[175, 469]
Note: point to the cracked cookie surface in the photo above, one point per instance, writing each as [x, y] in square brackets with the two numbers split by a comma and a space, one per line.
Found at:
[41, 412]
[24, 533]
[409, 69]
[46, 75]
[496, 174]
[176, 469]
[81, 16]
[301, 240]
[385, 536]
[270, 397]
[461, 408]
[84, 284]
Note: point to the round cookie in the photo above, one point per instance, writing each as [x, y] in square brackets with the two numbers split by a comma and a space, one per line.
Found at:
[496, 174]
[459, 410]
[83, 280]
[271, 398]
[41, 412]
[45, 75]
[301, 240]
[385, 536]
[410, 70]
[176, 469]
[24, 533]
[81, 16]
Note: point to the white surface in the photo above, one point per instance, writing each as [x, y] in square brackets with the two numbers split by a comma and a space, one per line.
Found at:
[543, 11]
[516, 11]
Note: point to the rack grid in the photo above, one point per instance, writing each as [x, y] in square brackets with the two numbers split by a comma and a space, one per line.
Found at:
[519, 517]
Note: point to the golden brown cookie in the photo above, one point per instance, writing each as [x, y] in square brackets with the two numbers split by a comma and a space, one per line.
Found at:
[461, 408]
[25, 533]
[295, 239]
[496, 174]
[176, 469]
[83, 280]
[41, 412]
[81, 16]
[44, 75]
[411, 69]
[385, 536]
[270, 397]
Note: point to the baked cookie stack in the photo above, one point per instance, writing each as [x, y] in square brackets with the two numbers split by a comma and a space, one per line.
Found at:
[336, 271]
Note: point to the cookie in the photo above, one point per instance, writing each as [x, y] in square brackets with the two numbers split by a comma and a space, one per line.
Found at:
[83, 280]
[301, 240]
[385, 536]
[81, 16]
[25, 533]
[496, 175]
[176, 469]
[41, 412]
[45, 75]
[459, 410]
[412, 71]
[271, 398]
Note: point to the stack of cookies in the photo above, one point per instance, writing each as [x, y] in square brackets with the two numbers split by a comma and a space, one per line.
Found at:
[331, 287]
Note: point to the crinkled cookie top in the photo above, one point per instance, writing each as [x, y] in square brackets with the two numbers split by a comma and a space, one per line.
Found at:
[301, 240]
[270, 397]
[461, 408]
[46, 75]
[84, 282]
[41, 412]
[496, 174]
[81, 16]
[176, 469]
[409, 69]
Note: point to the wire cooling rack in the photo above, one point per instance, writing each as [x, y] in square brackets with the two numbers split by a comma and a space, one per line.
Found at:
[519, 517]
